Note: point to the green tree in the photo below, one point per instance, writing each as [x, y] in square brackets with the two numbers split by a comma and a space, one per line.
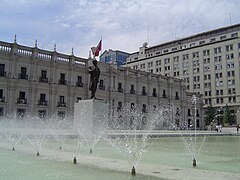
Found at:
[209, 115]
[229, 117]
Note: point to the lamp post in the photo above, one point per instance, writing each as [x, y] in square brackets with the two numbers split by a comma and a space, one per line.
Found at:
[218, 119]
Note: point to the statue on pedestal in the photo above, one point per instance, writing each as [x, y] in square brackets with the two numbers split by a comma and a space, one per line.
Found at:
[94, 72]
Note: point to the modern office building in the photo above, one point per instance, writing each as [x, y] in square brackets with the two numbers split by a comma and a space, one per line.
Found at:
[208, 62]
[39, 82]
[114, 57]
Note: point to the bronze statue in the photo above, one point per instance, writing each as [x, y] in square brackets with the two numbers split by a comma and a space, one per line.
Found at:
[94, 72]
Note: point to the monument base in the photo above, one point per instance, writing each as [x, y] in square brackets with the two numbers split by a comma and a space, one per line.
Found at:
[90, 116]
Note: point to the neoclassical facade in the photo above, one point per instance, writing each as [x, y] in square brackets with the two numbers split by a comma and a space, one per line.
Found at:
[39, 82]
[208, 62]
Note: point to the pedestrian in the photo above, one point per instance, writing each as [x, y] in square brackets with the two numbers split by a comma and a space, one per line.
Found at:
[238, 128]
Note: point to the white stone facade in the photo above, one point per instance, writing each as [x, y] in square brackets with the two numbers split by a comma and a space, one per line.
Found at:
[40, 82]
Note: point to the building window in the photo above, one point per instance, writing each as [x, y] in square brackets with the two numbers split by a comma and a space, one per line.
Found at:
[223, 37]
[150, 64]
[79, 82]
[158, 62]
[43, 77]
[21, 99]
[101, 85]
[21, 112]
[62, 79]
[234, 35]
[142, 66]
[61, 114]
[21, 95]
[164, 94]
[2, 99]
[206, 52]
[132, 105]
[61, 102]
[132, 91]
[213, 39]
[42, 113]
[144, 93]
[185, 56]
[23, 74]
[2, 70]
[144, 108]
[176, 59]
[195, 54]
[42, 100]
[119, 106]
[154, 94]
[167, 60]
[176, 96]
[120, 89]
[1, 111]
[217, 50]
[229, 47]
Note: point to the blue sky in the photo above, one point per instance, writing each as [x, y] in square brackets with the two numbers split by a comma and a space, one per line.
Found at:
[123, 24]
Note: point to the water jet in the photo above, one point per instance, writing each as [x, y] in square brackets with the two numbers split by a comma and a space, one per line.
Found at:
[133, 171]
[74, 160]
[194, 162]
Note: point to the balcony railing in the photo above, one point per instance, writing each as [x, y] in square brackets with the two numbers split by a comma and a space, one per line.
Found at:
[2, 99]
[43, 79]
[154, 94]
[62, 81]
[120, 89]
[164, 96]
[42, 103]
[21, 101]
[132, 91]
[3, 73]
[79, 84]
[61, 104]
[144, 93]
[177, 97]
[102, 87]
[22, 76]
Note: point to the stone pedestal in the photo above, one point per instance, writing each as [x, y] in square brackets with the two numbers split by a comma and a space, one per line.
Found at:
[90, 117]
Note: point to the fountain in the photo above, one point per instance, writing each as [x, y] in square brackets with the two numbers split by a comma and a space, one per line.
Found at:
[130, 127]
[169, 117]
[193, 142]
[11, 129]
[37, 132]
[60, 128]
[130, 131]
[90, 122]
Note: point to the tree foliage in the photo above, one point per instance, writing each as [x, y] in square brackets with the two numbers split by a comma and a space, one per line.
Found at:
[209, 115]
[229, 117]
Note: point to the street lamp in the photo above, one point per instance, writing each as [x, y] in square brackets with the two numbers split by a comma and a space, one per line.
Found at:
[218, 120]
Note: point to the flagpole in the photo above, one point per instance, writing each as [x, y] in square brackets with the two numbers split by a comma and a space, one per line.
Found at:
[101, 49]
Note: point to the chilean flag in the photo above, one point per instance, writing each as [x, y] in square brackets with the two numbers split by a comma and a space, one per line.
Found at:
[96, 50]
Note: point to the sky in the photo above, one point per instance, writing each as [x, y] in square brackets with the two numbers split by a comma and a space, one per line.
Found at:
[122, 24]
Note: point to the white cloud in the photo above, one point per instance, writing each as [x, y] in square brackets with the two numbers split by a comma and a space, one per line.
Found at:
[122, 23]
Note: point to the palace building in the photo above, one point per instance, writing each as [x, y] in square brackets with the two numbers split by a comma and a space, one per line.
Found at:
[45, 83]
